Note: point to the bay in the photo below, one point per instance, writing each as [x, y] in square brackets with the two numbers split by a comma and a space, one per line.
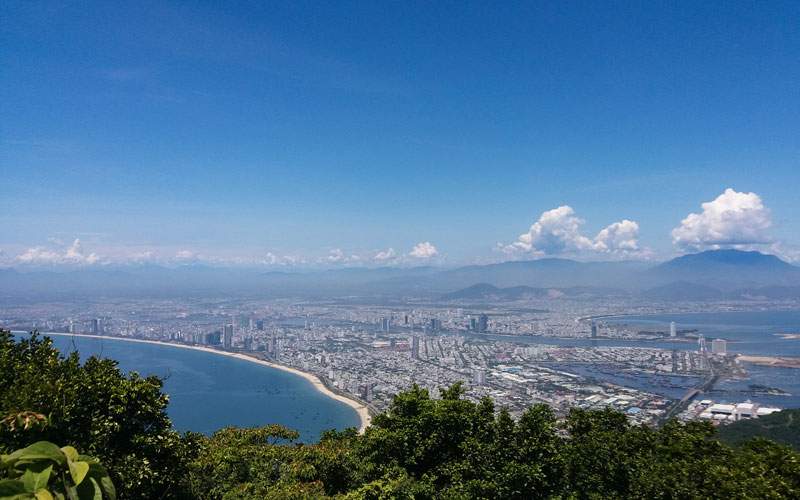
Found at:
[209, 391]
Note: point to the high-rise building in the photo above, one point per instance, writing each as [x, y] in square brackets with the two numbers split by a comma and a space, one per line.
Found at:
[405, 319]
[260, 325]
[435, 325]
[594, 329]
[212, 338]
[384, 324]
[473, 324]
[483, 323]
[719, 346]
[672, 331]
[414, 347]
[227, 336]
[96, 327]
[479, 376]
[701, 342]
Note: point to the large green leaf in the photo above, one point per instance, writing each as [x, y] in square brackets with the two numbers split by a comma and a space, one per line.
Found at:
[70, 452]
[12, 488]
[42, 450]
[35, 481]
[78, 471]
[90, 490]
[99, 474]
[43, 495]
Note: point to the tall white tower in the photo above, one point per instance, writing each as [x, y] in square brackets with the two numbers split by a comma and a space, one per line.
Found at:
[702, 343]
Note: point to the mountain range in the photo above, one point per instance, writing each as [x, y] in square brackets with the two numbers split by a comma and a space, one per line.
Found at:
[709, 275]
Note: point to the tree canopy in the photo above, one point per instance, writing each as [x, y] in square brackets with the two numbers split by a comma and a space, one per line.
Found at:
[419, 448]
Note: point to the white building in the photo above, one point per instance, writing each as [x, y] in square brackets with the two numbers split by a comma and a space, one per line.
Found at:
[719, 346]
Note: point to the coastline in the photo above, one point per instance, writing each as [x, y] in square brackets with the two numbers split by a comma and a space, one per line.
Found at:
[779, 361]
[361, 410]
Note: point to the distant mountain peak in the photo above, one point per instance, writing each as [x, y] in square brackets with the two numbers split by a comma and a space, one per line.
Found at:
[730, 257]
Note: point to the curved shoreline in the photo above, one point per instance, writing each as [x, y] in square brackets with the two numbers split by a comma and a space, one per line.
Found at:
[360, 409]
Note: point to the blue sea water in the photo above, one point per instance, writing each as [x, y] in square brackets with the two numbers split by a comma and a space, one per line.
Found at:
[751, 332]
[208, 391]
[747, 332]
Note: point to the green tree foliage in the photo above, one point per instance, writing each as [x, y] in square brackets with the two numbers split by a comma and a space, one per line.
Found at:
[420, 448]
[250, 463]
[93, 406]
[43, 471]
[457, 448]
[781, 427]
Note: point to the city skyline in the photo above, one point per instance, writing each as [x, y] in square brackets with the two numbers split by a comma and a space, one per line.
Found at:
[351, 135]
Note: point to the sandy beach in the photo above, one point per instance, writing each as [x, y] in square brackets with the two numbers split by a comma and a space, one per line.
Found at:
[785, 362]
[361, 410]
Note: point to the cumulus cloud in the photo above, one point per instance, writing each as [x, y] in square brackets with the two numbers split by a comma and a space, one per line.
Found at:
[423, 250]
[39, 255]
[142, 257]
[733, 219]
[622, 236]
[73, 254]
[271, 259]
[185, 255]
[385, 255]
[338, 256]
[76, 254]
[558, 231]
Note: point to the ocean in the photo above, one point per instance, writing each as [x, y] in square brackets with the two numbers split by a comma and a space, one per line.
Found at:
[747, 332]
[208, 391]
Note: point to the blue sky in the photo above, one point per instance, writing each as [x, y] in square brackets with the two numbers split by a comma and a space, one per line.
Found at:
[333, 131]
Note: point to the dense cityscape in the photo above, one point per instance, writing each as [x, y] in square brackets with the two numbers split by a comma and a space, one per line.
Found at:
[546, 351]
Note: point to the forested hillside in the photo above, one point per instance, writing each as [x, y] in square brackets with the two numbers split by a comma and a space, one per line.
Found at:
[781, 427]
[420, 448]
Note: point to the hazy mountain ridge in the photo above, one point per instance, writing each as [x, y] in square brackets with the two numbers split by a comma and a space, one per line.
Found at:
[710, 275]
[727, 270]
[485, 291]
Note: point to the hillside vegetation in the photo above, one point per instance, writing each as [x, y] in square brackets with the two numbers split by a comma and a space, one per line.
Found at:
[419, 448]
[781, 427]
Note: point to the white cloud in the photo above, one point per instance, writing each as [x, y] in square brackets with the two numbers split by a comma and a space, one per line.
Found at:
[622, 236]
[142, 257]
[789, 253]
[423, 250]
[39, 255]
[338, 256]
[74, 254]
[558, 232]
[732, 219]
[271, 259]
[185, 255]
[385, 255]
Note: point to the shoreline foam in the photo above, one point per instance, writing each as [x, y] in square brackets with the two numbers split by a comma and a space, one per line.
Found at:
[361, 410]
